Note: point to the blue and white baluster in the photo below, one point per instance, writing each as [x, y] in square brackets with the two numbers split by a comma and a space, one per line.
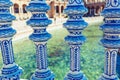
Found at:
[10, 70]
[111, 38]
[40, 36]
[75, 25]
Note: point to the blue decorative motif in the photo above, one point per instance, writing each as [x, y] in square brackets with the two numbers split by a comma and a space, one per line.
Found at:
[115, 1]
[75, 58]
[40, 36]
[112, 3]
[42, 58]
[10, 70]
[75, 1]
[111, 38]
[7, 52]
[75, 24]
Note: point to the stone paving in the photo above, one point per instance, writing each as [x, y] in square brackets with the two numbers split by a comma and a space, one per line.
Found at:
[24, 31]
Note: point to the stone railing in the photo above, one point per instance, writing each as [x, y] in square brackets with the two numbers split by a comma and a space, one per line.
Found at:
[75, 25]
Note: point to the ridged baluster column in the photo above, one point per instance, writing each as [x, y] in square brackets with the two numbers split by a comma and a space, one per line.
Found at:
[75, 25]
[10, 70]
[111, 38]
[40, 36]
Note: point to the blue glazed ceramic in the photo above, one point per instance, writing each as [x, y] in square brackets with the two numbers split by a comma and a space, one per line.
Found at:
[10, 70]
[75, 25]
[111, 38]
[40, 36]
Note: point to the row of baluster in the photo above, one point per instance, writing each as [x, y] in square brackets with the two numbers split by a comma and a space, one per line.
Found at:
[75, 25]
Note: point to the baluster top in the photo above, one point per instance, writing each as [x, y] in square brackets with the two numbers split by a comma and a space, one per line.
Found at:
[39, 20]
[112, 9]
[111, 26]
[6, 19]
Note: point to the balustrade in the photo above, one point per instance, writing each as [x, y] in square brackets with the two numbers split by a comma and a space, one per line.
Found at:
[10, 70]
[111, 38]
[40, 36]
[75, 25]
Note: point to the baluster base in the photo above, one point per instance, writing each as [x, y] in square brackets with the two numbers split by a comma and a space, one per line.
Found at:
[107, 77]
[10, 73]
[75, 76]
[43, 75]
